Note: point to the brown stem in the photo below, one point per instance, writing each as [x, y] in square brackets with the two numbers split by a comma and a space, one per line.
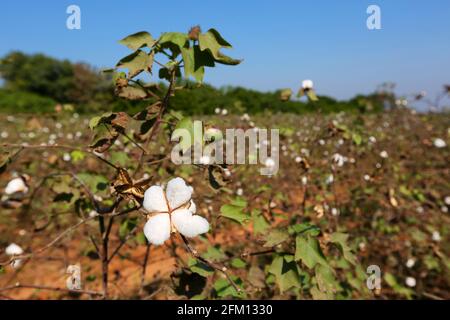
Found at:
[29, 286]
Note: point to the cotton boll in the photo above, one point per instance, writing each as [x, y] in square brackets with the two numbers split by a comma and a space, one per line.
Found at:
[436, 236]
[330, 179]
[13, 250]
[447, 200]
[224, 112]
[217, 110]
[4, 134]
[67, 157]
[384, 154]
[178, 193]
[298, 159]
[16, 185]
[372, 139]
[304, 180]
[157, 229]
[410, 263]
[410, 282]
[307, 84]
[240, 192]
[439, 143]
[154, 200]
[366, 177]
[188, 224]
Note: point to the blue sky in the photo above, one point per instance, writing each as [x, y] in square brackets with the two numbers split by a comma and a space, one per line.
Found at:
[281, 42]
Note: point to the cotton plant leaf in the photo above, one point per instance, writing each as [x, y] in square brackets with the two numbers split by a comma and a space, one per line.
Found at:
[307, 250]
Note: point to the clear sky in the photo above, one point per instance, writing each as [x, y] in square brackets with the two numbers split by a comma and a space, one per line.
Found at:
[281, 42]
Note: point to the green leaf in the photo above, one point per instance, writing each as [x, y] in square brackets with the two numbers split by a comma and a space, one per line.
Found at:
[138, 40]
[260, 225]
[235, 213]
[136, 63]
[77, 156]
[340, 239]
[304, 229]
[213, 42]
[173, 41]
[308, 251]
[224, 289]
[326, 280]
[238, 263]
[199, 267]
[191, 68]
[286, 272]
[357, 139]
[275, 237]
[213, 253]
[95, 121]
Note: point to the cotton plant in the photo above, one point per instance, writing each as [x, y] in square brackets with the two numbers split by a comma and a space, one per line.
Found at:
[171, 210]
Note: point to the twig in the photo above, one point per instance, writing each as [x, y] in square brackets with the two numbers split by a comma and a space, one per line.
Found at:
[144, 268]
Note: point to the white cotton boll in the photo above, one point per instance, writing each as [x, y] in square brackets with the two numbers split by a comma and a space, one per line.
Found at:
[251, 124]
[192, 207]
[307, 84]
[157, 229]
[339, 159]
[410, 263]
[78, 134]
[67, 157]
[58, 125]
[93, 213]
[16, 185]
[298, 159]
[31, 135]
[372, 139]
[217, 110]
[224, 112]
[178, 193]
[154, 200]
[304, 180]
[240, 192]
[188, 224]
[410, 282]
[384, 154]
[330, 179]
[13, 250]
[447, 200]
[321, 142]
[420, 210]
[145, 176]
[439, 143]
[335, 212]
[4, 134]
[436, 236]
[444, 209]
[366, 177]
[378, 165]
